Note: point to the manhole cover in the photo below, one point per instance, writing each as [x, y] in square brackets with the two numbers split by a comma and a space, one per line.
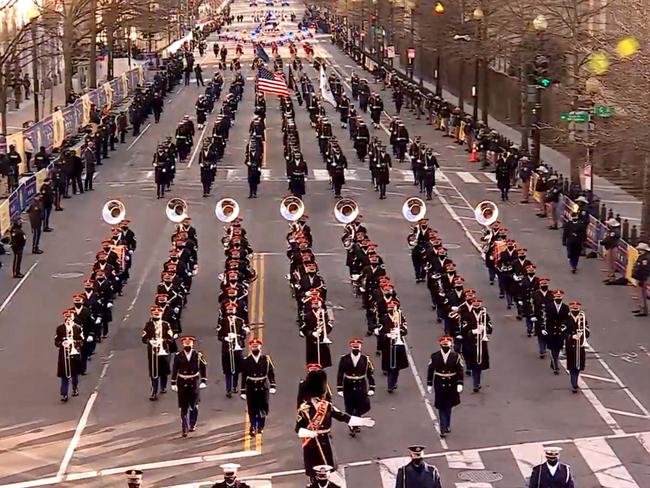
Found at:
[67, 276]
[480, 476]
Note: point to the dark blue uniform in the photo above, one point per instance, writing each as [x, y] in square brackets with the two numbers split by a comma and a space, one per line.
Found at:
[422, 476]
[541, 477]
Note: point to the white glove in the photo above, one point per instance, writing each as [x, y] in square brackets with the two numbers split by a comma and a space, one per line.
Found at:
[340, 393]
[117, 278]
[176, 309]
[371, 392]
[476, 332]
[429, 389]
[272, 391]
[109, 305]
[315, 334]
[574, 336]
[520, 303]
[98, 320]
[361, 421]
[459, 388]
[533, 319]
[306, 433]
[66, 343]
[243, 396]
[544, 332]
[175, 336]
[90, 339]
[202, 385]
[174, 388]
[152, 342]
[376, 331]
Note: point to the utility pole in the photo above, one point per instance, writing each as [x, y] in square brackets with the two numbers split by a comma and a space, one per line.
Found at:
[35, 63]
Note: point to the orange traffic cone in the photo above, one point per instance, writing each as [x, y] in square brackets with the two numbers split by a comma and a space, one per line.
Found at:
[474, 157]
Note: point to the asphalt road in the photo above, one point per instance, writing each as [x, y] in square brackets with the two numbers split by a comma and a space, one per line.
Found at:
[497, 434]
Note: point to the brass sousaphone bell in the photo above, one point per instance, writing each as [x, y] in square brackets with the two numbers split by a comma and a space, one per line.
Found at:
[113, 212]
[346, 210]
[227, 209]
[414, 209]
[176, 210]
[486, 213]
[292, 208]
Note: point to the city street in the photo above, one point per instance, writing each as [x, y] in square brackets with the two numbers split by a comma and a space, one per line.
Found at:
[497, 434]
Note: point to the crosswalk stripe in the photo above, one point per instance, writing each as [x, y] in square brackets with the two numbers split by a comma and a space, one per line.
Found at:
[321, 174]
[388, 470]
[351, 174]
[467, 177]
[232, 174]
[605, 464]
[527, 456]
[644, 439]
[259, 483]
[470, 459]
[491, 176]
[266, 175]
[473, 484]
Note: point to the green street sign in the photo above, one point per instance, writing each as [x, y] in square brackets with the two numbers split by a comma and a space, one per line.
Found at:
[575, 116]
[604, 111]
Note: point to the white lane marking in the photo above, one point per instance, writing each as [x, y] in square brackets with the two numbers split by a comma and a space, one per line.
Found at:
[74, 442]
[599, 378]
[146, 128]
[491, 176]
[470, 459]
[473, 484]
[388, 469]
[321, 174]
[233, 174]
[95, 175]
[628, 414]
[644, 440]
[266, 174]
[351, 174]
[149, 174]
[467, 177]
[527, 456]
[605, 464]
[198, 146]
[7, 300]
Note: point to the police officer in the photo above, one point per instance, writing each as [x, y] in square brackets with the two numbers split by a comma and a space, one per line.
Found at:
[18, 240]
[41, 159]
[573, 237]
[230, 477]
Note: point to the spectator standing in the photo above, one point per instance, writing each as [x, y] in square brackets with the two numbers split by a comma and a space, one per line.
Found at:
[28, 147]
[525, 174]
[640, 273]
[47, 193]
[41, 159]
[14, 164]
[502, 171]
[35, 213]
[88, 158]
[18, 241]
[573, 238]
[28, 85]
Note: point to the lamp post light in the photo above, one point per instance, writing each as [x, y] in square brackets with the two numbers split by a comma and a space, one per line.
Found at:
[33, 14]
[540, 25]
[478, 16]
[130, 39]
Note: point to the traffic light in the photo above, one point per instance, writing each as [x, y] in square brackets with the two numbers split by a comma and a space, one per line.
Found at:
[541, 71]
[439, 8]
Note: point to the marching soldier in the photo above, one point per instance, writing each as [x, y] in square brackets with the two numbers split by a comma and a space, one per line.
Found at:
[376, 107]
[577, 333]
[392, 327]
[430, 166]
[230, 477]
[417, 473]
[315, 381]
[231, 331]
[316, 327]
[355, 381]
[552, 473]
[475, 342]
[257, 381]
[557, 317]
[253, 162]
[382, 171]
[542, 299]
[445, 377]
[344, 110]
[157, 335]
[573, 237]
[69, 340]
[189, 375]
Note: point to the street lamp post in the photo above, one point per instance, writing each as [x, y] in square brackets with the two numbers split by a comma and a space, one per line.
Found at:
[539, 24]
[478, 17]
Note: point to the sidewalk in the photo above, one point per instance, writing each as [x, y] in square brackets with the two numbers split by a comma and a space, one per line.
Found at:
[621, 202]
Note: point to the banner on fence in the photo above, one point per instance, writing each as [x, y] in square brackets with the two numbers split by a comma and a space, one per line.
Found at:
[632, 256]
[58, 124]
[108, 90]
[5, 217]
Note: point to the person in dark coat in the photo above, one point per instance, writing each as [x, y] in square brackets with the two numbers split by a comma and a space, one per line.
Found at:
[89, 161]
[392, 328]
[502, 171]
[445, 379]
[157, 335]
[573, 238]
[41, 159]
[68, 339]
[188, 377]
[640, 273]
[475, 342]
[48, 202]
[552, 473]
[17, 242]
[121, 123]
[355, 381]
[231, 331]
[577, 333]
[417, 473]
[35, 212]
[257, 381]
[557, 318]
[230, 473]
[430, 166]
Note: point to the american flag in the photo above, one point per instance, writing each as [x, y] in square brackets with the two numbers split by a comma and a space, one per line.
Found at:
[273, 83]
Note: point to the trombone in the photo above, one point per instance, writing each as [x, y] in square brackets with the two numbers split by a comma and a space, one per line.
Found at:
[321, 329]
[232, 337]
[395, 336]
[113, 212]
[581, 341]
[481, 337]
[292, 208]
[157, 348]
[70, 349]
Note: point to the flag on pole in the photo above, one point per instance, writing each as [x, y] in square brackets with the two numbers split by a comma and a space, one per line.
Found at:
[325, 91]
[261, 53]
[273, 83]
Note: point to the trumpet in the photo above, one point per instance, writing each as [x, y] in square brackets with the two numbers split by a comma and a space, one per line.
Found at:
[69, 347]
[176, 210]
[292, 208]
[486, 213]
[227, 209]
[346, 210]
[414, 209]
[113, 212]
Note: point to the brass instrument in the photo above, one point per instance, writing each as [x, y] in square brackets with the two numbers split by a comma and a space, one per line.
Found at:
[292, 208]
[232, 338]
[414, 209]
[486, 213]
[346, 210]
[157, 348]
[176, 210]
[321, 330]
[581, 331]
[69, 348]
[113, 212]
[395, 336]
[481, 337]
[227, 209]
